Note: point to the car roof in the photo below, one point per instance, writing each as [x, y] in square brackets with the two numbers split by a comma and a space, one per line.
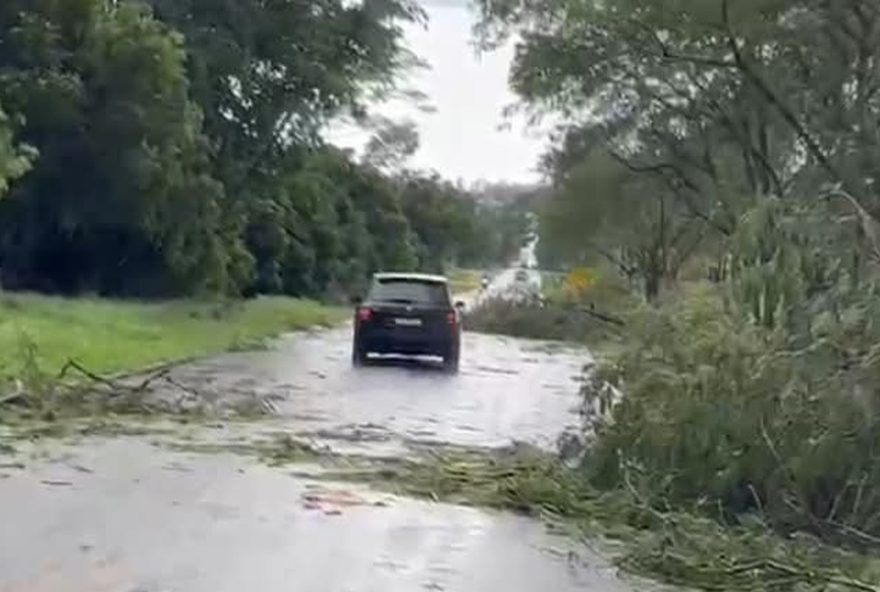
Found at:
[410, 277]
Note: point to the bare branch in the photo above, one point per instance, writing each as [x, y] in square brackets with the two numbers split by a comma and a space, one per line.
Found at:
[770, 95]
[665, 170]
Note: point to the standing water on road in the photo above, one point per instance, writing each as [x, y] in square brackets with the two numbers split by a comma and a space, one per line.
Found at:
[508, 390]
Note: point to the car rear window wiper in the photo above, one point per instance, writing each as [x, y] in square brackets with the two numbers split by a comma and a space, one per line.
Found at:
[400, 300]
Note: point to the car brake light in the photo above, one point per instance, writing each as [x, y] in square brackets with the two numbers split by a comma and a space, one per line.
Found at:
[451, 319]
[364, 314]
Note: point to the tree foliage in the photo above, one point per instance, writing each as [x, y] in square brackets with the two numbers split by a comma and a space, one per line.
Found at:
[392, 144]
[755, 124]
[269, 74]
[14, 159]
[121, 191]
[174, 147]
[723, 103]
[603, 210]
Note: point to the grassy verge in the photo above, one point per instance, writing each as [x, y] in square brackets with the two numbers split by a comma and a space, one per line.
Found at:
[111, 336]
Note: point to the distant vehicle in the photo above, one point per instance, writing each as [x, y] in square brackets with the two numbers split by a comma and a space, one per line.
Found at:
[485, 282]
[522, 275]
[410, 314]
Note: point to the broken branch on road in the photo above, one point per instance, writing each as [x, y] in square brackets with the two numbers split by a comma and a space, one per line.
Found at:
[78, 391]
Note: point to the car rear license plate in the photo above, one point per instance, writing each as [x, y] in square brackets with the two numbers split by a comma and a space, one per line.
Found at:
[408, 322]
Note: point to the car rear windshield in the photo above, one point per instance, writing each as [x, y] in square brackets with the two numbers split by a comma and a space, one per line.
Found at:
[409, 292]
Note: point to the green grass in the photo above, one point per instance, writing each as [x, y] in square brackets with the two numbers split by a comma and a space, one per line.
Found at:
[109, 336]
[462, 281]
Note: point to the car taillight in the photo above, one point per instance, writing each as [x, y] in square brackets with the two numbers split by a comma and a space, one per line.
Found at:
[364, 314]
[451, 319]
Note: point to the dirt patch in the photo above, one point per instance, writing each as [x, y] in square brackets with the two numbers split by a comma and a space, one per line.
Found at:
[334, 501]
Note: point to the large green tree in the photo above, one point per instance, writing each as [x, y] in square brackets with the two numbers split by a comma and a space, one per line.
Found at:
[269, 74]
[121, 199]
[604, 210]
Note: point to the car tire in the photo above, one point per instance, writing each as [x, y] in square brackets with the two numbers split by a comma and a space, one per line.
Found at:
[451, 361]
[358, 355]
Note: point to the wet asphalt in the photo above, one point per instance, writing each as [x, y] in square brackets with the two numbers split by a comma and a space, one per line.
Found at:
[124, 516]
[129, 514]
[506, 391]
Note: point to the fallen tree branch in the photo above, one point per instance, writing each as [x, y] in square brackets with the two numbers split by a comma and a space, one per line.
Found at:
[596, 314]
[155, 369]
[854, 533]
[73, 364]
[187, 390]
[161, 373]
[603, 317]
[707, 577]
[19, 393]
[741, 63]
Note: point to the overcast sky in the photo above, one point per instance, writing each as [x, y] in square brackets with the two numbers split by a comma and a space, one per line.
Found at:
[461, 139]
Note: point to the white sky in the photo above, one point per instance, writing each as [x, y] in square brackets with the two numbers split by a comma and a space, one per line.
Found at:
[463, 138]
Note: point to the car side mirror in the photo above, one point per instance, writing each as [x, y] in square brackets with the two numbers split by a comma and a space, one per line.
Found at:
[459, 305]
[357, 300]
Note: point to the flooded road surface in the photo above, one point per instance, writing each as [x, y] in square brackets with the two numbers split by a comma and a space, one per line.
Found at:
[131, 514]
[124, 516]
[507, 390]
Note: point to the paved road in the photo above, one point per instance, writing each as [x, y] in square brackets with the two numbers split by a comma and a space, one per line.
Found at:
[505, 285]
[506, 390]
[125, 514]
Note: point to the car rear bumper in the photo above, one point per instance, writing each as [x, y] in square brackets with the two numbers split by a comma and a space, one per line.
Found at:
[390, 342]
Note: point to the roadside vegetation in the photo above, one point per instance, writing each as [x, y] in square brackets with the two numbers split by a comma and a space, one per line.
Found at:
[584, 306]
[109, 336]
[718, 159]
[69, 359]
[505, 316]
[462, 281]
[674, 547]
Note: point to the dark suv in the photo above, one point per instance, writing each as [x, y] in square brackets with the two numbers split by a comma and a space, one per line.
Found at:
[408, 313]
